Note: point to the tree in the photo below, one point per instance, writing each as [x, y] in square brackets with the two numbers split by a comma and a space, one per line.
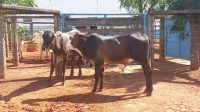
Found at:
[180, 21]
[29, 3]
[142, 6]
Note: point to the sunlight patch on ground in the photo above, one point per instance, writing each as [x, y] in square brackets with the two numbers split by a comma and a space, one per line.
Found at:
[180, 61]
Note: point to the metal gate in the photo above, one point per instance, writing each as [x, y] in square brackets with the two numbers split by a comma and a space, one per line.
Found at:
[105, 24]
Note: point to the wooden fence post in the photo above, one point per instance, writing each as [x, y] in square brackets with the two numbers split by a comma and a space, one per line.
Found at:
[194, 58]
[162, 40]
[2, 50]
[55, 22]
[150, 33]
[14, 43]
[9, 35]
[31, 29]
[6, 38]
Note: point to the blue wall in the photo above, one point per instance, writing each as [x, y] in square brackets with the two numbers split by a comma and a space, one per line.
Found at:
[175, 47]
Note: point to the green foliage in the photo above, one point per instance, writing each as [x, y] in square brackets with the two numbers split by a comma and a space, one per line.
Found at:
[183, 4]
[142, 6]
[22, 31]
[181, 20]
[28, 3]
[179, 26]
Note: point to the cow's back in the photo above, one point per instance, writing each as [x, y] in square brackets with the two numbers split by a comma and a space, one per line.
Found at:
[117, 49]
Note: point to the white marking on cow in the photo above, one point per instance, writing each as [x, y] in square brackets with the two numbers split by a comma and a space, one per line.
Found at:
[78, 51]
[117, 41]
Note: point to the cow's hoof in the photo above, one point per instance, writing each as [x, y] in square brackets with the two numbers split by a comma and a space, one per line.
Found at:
[62, 84]
[99, 90]
[147, 93]
[94, 90]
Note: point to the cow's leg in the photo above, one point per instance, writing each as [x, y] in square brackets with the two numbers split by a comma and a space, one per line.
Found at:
[53, 62]
[72, 67]
[79, 65]
[20, 56]
[46, 57]
[147, 72]
[41, 53]
[98, 66]
[63, 69]
[101, 80]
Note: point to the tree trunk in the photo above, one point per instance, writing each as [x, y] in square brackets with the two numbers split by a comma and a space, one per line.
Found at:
[194, 43]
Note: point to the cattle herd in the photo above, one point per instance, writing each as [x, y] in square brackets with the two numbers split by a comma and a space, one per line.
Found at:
[99, 51]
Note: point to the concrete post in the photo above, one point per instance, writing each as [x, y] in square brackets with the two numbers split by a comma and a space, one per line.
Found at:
[14, 43]
[2, 50]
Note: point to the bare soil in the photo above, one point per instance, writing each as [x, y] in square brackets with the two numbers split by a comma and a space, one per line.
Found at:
[25, 89]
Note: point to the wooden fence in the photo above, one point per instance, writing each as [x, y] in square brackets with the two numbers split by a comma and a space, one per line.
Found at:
[105, 26]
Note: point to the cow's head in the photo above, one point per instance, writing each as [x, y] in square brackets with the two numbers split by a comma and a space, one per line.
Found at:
[48, 37]
[75, 40]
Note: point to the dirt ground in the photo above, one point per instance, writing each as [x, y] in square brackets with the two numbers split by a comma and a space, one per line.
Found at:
[25, 89]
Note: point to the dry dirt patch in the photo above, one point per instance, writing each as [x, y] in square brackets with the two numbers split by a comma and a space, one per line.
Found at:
[176, 88]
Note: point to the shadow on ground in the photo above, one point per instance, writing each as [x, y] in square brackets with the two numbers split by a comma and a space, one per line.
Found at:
[165, 71]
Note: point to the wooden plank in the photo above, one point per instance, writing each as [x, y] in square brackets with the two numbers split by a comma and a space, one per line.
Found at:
[103, 21]
[29, 10]
[35, 22]
[29, 17]
[173, 12]
[109, 31]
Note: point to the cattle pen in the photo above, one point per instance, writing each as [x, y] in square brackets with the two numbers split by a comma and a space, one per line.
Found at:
[23, 88]
[8, 34]
[189, 32]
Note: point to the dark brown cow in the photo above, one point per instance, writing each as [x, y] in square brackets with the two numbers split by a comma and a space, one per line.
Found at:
[118, 50]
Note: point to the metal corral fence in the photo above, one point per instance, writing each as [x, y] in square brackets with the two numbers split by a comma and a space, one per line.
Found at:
[105, 24]
[183, 43]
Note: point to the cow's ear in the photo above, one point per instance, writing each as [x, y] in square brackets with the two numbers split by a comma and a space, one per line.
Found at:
[53, 35]
[83, 36]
